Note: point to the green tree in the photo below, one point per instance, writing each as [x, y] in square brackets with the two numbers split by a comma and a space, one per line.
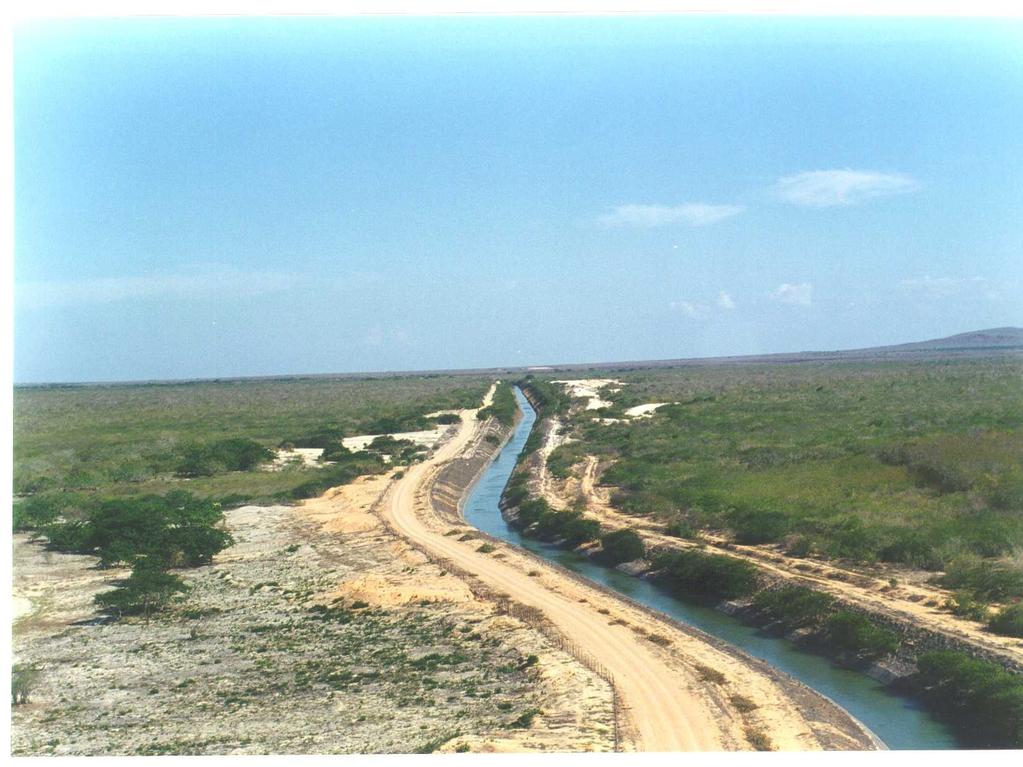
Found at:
[24, 677]
[147, 589]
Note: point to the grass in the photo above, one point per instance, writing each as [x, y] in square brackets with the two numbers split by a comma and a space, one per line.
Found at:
[120, 440]
[908, 462]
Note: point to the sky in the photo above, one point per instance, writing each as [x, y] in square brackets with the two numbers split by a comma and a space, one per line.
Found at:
[235, 197]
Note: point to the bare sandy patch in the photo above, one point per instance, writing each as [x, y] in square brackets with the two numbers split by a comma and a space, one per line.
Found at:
[347, 509]
[589, 389]
[301, 456]
[393, 590]
[428, 438]
[644, 411]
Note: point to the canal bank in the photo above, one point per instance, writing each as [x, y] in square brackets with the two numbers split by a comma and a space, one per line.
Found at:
[896, 720]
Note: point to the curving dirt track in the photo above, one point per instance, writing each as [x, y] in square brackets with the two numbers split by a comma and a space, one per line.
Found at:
[667, 704]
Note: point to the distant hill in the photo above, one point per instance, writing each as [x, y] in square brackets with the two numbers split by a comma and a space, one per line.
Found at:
[976, 343]
[995, 338]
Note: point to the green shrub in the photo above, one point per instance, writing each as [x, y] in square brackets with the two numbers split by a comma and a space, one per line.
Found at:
[236, 454]
[982, 701]
[525, 720]
[550, 399]
[680, 528]
[504, 407]
[579, 530]
[706, 575]
[336, 452]
[623, 545]
[753, 527]
[796, 607]
[799, 546]
[177, 529]
[32, 513]
[965, 605]
[852, 633]
[530, 512]
[987, 580]
[1009, 621]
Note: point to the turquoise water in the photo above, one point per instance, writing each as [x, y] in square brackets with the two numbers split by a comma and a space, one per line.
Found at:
[894, 719]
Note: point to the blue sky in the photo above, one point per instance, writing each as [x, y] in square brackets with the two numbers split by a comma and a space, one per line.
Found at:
[200, 198]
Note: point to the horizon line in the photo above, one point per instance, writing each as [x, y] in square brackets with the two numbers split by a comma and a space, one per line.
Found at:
[663, 362]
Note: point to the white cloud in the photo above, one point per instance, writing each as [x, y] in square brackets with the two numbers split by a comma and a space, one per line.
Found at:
[649, 216]
[725, 301]
[830, 188]
[799, 295]
[201, 282]
[694, 309]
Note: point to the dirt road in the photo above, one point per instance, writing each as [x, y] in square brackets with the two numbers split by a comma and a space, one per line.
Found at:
[668, 701]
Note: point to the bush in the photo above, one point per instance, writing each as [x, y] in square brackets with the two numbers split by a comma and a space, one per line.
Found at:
[326, 438]
[546, 397]
[579, 530]
[753, 527]
[852, 633]
[336, 452]
[1009, 621]
[680, 528]
[707, 575]
[980, 699]
[987, 580]
[206, 460]
[530, 512]
[796, 607]
[799, 546]
[345, 470]
[965, 605]
[504, 407]
[621, 546]
[516, 490]
[525, 720]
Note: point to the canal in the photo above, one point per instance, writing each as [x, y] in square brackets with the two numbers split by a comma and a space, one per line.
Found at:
[894, 719]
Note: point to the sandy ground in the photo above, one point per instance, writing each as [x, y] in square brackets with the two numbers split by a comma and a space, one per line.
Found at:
[652, 661]
[306, 456]
[910, 599]
[589, 389]
[644, 411]
[243, 665]
[310, 456]
[424, 438]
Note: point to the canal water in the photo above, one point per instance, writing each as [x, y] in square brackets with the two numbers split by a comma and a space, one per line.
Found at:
[894, 719]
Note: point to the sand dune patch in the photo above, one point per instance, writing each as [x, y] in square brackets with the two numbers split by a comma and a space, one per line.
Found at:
[395, 590]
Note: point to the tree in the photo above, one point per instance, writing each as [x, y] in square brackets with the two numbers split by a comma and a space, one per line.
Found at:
[148, 588]
[24, 677]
